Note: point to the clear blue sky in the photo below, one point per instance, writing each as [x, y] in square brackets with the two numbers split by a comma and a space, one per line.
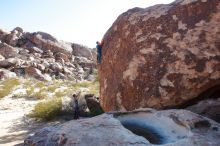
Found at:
[78, 21]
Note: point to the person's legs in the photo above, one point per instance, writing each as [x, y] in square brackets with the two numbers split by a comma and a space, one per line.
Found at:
[99, 58]
[75, 115]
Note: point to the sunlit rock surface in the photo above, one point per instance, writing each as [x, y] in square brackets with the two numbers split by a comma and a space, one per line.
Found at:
[168, 127]
[162, 56]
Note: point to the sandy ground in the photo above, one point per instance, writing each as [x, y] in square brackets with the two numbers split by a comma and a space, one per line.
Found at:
[14, 124]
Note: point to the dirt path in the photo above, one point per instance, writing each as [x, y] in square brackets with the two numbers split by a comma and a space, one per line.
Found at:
[14, 124]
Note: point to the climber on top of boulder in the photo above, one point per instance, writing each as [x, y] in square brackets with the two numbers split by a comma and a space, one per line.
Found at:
[99, 51]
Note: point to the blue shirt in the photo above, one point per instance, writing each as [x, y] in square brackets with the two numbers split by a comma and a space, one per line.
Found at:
[99, 49]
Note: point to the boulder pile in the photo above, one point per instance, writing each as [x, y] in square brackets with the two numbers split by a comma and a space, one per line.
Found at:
[43, 57]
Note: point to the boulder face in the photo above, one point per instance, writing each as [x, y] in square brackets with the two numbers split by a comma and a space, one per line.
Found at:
[7, 51]
[79, 50]
[48, 42]
[162, 56]
[4, 73]
[34, 72]
[140, 128]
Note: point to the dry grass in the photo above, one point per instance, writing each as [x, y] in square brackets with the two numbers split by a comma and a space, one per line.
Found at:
[52, 92]
[41, 90]
[47, 110]
[7, 86]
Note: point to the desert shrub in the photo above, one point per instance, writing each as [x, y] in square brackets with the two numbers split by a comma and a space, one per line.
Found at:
[31, 85]
[62, 93]
[94, 88]
[95, 73]
[40, 94]
[47, 110]
[40, 84]
[40, 89]
[30, 91]
[7, 86]
[78, 85]
[52, 88]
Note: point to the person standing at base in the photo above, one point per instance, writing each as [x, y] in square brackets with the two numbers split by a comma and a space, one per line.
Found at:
[99, 51]
[75, 107]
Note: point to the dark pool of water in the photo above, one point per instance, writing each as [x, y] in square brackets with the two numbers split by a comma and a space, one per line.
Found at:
[153, 135]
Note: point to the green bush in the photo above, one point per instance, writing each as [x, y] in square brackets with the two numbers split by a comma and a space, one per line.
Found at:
[40, 84]
[60, 94]
[7, 86]
[78, 85]
[47, 110]
[95, 73]
[52, 88]
[40, 94]
[46, 89]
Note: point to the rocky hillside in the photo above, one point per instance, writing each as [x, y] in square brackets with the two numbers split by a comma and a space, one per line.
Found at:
[43, 57]
[162, 57]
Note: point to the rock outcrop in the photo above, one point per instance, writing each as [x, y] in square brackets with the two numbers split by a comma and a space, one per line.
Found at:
[209, 108]
[93, 105]
[42, 56]
[4, 73]
[48, 42]
[8, 51]
[162, 56]
[83, 51]
[140, 128]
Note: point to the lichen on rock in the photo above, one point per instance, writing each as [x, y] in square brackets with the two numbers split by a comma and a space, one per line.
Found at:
[172, 50]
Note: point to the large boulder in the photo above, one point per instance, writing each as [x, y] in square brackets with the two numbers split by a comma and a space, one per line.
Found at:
[3, 33]
[56, 67]
[36, 73]
[23, 52]
[35, 50]
[84, 62]
[145, 127]
[10, 62]
[19, 30]
[47, 42]
[61, 57]
[209, 108]
[8, 51]
[93, 104]
[2, 58]
[82, 51]
[4, 73]
[13, 37]
[162, 56]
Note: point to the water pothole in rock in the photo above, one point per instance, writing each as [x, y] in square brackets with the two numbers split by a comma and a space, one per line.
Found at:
[157, 130]
[148, 132]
